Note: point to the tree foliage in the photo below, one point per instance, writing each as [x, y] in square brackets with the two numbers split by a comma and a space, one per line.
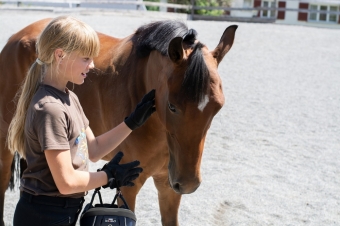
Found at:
[203, 3]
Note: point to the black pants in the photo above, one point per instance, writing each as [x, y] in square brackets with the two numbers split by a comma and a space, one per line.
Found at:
[47, 211]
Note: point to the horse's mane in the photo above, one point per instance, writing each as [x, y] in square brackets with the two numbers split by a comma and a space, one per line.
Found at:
[157, 36]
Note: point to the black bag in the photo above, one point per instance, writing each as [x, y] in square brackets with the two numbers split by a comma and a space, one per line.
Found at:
[107, 214]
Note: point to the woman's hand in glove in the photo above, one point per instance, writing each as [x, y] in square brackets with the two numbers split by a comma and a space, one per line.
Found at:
[121, 174]
[142, 112]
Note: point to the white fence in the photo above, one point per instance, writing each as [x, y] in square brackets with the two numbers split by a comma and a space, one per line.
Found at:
[141, 5]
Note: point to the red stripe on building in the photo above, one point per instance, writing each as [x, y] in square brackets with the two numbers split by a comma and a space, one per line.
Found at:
[281, 14]
[257, 3]
[303, 16]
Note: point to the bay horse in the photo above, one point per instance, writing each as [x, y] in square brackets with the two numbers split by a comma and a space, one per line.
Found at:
[162, 55]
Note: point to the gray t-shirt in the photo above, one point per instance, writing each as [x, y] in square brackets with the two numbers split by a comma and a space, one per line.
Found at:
[55, 121]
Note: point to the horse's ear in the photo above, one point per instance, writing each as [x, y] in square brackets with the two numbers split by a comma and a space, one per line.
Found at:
[175, 49]
[225, 44]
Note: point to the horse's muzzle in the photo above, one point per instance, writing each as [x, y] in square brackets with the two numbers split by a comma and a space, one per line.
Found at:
[184, 187]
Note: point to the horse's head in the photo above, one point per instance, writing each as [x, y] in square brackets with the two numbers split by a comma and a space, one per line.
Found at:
[188, 92]
[188, 102]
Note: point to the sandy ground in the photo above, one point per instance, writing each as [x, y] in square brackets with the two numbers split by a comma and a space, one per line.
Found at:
[272, 152]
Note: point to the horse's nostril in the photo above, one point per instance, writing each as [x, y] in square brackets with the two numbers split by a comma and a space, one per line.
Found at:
[177, 187]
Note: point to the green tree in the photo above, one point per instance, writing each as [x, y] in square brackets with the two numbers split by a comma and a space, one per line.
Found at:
[152, 8]
[212, 3]
[203, 3]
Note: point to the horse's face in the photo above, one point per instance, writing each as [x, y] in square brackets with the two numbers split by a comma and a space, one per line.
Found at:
[187, 123]
[187, 116]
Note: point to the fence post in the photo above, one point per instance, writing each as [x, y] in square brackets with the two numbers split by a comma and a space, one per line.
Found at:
[192, 9]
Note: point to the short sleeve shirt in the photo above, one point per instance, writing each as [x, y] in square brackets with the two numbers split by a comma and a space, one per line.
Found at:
[55, 121]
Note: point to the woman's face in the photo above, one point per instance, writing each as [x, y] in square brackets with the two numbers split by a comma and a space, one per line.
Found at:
[74, 67]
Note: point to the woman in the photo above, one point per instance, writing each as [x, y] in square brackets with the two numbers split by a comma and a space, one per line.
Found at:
[50, 129]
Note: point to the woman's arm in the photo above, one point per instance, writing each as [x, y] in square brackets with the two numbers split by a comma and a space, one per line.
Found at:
[69, 180]
[100, 146]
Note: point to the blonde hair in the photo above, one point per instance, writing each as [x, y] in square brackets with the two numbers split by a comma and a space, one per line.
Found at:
[66, 33]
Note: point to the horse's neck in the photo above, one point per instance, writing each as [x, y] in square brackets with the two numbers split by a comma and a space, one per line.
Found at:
[122, 52]
[156, 70]
[124, 68]
[145, 73]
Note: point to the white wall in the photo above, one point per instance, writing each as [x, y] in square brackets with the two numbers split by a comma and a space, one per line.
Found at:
[291, 17]
[242, 4]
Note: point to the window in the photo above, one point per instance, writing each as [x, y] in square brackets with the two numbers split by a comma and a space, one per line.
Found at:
[265, 12]
[332, 17]
[312, 15]
[247, 4]
[325, 14]
[272, 12]
[268, 13]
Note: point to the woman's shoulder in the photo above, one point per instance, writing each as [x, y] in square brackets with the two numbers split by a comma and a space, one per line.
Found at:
[75, 98]
[72, 94]
[49, 100]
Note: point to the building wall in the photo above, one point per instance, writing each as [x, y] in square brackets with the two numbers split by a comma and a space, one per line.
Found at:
[284, 17]
[242, 4]
[291, 16]
[294, 17]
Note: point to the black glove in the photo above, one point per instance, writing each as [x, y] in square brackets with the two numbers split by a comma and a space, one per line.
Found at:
[142, 112]
[121, 175]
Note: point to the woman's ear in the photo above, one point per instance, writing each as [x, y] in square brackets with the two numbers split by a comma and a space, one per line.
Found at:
[59, 55]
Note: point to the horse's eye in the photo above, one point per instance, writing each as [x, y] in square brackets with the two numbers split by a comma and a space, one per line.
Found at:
[171, 107]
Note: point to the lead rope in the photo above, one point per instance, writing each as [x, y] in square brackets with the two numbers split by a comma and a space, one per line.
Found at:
[96, 191]
[120, 195]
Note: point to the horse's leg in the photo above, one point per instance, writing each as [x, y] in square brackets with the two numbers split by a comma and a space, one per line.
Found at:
[130, 193]
[168, 200]
[6, 159]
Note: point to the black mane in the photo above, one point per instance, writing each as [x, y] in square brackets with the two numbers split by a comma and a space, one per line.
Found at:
[196, 78]
[157, 36]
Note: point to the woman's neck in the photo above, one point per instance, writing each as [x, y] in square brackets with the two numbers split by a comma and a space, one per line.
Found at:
[55, 80]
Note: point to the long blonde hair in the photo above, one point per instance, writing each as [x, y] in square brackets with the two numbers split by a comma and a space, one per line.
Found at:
[66, 33]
